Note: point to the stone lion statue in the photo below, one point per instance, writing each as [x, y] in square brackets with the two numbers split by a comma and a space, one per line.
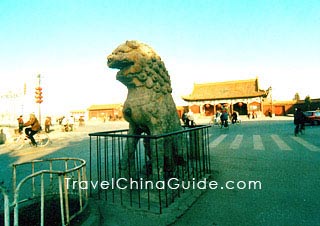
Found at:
[149, 107]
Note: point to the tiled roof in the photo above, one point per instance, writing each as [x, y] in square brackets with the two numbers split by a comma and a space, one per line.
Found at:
[226, 90]
[104, 106]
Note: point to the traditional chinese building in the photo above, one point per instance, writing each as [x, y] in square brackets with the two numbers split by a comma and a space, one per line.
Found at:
[243, 96]
[105, 111]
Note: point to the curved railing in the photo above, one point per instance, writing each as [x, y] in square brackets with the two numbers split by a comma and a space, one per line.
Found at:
[48, 178]
[6, 210]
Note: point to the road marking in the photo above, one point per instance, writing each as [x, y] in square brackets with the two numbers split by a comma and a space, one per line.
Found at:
[236, 142]
[281, 144]
[306, 144]
[217, 141]
[257, 143]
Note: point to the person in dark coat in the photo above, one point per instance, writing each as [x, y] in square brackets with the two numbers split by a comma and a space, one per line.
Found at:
[20, 123]
[224, 118]
[234, 117]
[299, 120]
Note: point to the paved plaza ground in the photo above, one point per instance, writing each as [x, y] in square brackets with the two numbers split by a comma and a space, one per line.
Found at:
[262, 149]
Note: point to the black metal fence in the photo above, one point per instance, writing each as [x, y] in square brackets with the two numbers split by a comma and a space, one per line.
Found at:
[147, 172]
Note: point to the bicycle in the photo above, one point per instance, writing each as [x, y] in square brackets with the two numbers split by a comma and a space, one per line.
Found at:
[42, 139]
[237, 121]
[215, 121]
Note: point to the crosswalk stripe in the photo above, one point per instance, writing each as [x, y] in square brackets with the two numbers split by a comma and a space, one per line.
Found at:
[257, 143]
[281, 144]
[217, 141]
[236, 142]
[306, 144]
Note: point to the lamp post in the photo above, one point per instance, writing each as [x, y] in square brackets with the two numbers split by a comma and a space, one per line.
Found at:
[38, 91]
[270, 91]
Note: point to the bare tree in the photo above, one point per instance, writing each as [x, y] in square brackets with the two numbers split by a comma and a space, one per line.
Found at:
[307, 102]
[296, 96]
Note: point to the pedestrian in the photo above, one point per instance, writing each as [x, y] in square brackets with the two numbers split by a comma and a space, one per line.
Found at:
[71, 123]
[190, 117]
[253, 115]
[234, 117]
[3, 137]
[31, 131]
[65, 124]
[217, 119]
[20, 123]
[47, 124]
[185, 119]
[81, 121]
[299, 120]
[224, 118]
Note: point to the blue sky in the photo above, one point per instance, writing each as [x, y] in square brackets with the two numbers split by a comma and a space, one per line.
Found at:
[67, 42]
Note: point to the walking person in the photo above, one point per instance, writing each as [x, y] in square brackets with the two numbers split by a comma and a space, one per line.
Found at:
[65, 124]
[299, 120]
[234, 117]
[224, 118]
[47, 124]
[3, 137]
[185, 118]
[71, 123]
[31, 131]
[20, 123]
[190, 117]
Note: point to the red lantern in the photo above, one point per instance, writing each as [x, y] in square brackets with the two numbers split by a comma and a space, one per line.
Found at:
[240, 104]
[207, 105]
[38, 96]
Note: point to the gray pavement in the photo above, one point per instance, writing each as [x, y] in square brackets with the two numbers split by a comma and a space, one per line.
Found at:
[262, 149]
[288, 168]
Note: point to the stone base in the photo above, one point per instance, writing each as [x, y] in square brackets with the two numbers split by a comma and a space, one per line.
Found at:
[132, 214]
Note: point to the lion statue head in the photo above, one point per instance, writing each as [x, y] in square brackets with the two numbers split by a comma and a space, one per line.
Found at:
[140, 66]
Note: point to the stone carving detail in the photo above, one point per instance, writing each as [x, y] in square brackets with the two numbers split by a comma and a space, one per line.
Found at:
[149, 107]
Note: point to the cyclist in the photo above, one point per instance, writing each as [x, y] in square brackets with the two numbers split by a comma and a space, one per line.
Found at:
[217, 119]
[234, 117]
[31, 131]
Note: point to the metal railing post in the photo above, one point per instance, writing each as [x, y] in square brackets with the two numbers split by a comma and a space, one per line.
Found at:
[6, 206]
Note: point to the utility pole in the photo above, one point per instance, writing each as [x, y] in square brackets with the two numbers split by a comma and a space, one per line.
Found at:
[270, 92]
[39, 97]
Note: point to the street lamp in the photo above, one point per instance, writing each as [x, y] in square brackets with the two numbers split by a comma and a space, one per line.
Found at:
[38, 92]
